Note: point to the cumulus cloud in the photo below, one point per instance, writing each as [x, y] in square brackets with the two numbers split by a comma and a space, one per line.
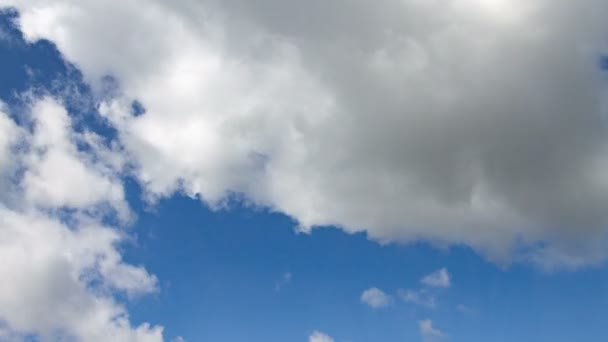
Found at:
[57, 174]
[48, 294]
[463, 122]
[428, 332]
[375, 298]
[318, 336]
[440, 278]
[61, 262]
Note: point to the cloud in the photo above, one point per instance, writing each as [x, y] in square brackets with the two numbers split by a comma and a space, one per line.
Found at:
[58, 175]
[440, 278]
[465, 309]
[318, 336]
[64, 265]
[284, 281]
[10, 134]
[425, 297]
[467, 122]
[419, 297]
[375, 298]
[50, 267]
[428, 332]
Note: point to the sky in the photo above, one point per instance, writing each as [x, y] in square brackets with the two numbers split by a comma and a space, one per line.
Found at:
[318, 171]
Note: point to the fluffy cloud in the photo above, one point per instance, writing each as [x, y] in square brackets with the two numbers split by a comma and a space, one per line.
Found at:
[375, 298]
[50, 266]
[63, 265]
[318, 336]
[440, 278]
[428, 332]
[58, 175]
[477, 122]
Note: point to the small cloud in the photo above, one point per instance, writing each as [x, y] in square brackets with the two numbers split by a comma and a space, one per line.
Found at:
[318, 336]
[440, 278]
[465, 309]
[283, 281]
[375, 298]
[422, 297]
[178, 339]
[428, 332]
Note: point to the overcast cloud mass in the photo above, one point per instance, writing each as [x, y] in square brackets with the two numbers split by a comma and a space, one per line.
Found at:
[473, 122]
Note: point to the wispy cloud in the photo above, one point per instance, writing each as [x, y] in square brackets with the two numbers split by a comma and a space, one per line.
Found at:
[439, 278]
[318, 336]
[283, 281]
[421, 297]
[465, 309]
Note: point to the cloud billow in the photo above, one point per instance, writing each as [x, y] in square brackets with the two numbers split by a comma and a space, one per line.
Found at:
[476, 122]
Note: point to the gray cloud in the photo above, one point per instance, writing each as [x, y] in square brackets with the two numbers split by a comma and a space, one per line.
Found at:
[477, 122]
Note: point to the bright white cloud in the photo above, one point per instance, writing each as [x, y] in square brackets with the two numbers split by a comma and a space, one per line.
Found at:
[375, 298]
[48, 265]
[61, 270]
[318, 336]
[439, 278]
[428, 332]
[58, 175]
[467, 122]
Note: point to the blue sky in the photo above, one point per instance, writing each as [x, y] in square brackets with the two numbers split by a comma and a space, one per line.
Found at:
[230, 262]
[214, 246]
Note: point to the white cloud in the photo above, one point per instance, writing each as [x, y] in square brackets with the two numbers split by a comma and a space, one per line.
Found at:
[428, 332]
[407, 119]
[419, 297]
[57, 174]
[426, 297]
[48, 265]
[62, 269]
[439, 278]
[375, 298]
[318, 336]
